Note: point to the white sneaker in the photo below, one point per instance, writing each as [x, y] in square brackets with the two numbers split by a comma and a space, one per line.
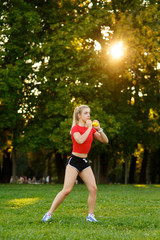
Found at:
[46, 217]
[91, 218]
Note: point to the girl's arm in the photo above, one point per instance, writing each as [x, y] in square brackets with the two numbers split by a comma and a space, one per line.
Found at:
[82, 138]
[100, 135]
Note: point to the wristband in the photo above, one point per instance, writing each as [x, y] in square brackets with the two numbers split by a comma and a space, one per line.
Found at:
[101, 130]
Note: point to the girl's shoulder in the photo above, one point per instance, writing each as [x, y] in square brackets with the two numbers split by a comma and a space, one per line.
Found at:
[74, 129]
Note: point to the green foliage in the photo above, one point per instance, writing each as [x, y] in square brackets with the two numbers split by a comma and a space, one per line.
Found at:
[19, 27]
[36, 103]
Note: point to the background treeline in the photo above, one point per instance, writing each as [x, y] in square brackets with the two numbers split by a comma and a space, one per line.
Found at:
[50, 63]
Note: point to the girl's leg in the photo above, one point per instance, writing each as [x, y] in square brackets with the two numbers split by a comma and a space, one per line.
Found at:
[70, 177]
[89, 179]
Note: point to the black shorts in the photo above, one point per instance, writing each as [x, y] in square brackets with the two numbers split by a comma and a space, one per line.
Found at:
[79, 163]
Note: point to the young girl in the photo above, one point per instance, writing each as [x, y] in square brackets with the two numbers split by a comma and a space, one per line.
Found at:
[82, 134]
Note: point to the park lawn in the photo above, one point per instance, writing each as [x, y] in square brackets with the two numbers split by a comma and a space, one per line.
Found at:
[123, 212]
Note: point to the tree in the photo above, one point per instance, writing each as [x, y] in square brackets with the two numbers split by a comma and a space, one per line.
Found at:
[70, 77]
[20, 28]
[61, 41]
[143, 81]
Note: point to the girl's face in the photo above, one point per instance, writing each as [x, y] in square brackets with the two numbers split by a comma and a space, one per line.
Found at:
[85, 115]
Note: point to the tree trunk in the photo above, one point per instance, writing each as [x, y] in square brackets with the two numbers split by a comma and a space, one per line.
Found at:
[126, 171]
[148, 177]
[46, 167]
[144, 167]
[60, 166]
[14, 165]
[132, 170]
[123, 173]
[113, 177]
[155, 167]
[6, 167]
[96, 168]
[103, 168]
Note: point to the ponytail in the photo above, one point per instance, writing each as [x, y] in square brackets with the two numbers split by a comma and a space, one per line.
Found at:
[77, 110]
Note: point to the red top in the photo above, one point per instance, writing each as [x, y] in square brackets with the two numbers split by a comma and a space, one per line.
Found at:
[84, 147]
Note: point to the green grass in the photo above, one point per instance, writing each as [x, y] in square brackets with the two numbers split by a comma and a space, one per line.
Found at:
[123, 212]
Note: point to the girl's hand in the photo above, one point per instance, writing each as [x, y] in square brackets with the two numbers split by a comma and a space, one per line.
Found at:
[89, 123]
[97, 125]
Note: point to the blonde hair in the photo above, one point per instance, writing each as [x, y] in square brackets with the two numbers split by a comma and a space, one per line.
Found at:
[77, 110]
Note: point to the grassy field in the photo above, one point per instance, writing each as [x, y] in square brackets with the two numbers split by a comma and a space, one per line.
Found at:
[123, 212]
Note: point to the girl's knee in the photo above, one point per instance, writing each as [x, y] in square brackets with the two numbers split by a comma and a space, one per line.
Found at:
[93, 189]
[67, 191]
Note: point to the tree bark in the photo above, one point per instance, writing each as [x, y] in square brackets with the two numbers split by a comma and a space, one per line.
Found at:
[103, 168]
[6, 167]
[14, 165]
[126, 171]
[144, 167]
[132, 170]
[148, 176]
[96, 168]
[155, 166]
[60, 166]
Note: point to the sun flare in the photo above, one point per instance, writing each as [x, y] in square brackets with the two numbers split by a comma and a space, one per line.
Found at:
[117, 50]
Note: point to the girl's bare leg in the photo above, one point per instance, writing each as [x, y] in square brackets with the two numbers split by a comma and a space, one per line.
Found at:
[70, 177]
[89, 179]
